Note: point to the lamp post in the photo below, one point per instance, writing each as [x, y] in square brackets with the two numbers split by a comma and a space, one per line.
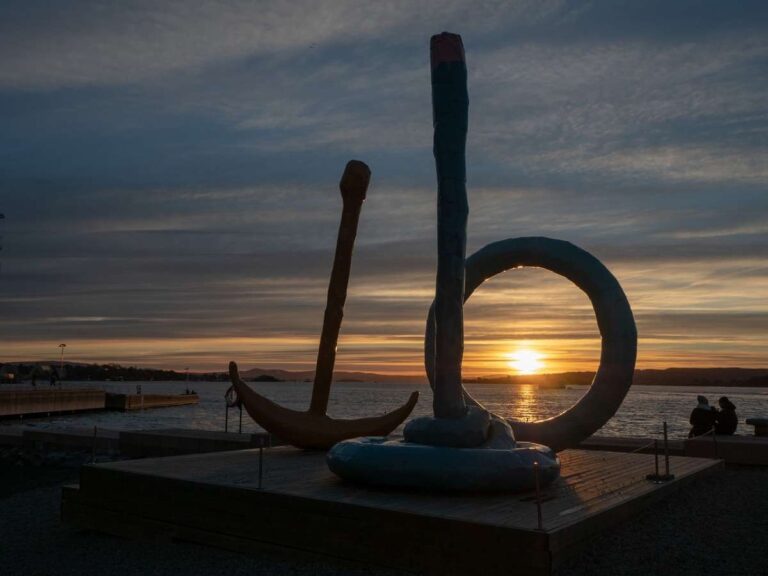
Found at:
[61, 363]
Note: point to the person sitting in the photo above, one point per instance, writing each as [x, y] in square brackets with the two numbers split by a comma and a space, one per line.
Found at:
[702, 418]
[725, 418]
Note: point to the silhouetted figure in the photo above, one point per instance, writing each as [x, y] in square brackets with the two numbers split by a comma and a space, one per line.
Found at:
[725, 418]
[702, 418]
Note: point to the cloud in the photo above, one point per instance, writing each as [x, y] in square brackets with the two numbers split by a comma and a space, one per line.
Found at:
[169, 174]
[91, 43]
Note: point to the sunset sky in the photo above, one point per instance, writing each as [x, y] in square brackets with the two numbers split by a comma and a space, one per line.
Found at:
[169, 178]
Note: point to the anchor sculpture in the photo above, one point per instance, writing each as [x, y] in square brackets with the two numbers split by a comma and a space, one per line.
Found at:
[314, 429]
[464, 446]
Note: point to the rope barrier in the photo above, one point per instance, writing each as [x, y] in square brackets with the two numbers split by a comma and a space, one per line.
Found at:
[656, 476]
[644, 446]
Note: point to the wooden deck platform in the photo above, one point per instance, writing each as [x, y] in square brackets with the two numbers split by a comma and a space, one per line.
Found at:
[214, 499]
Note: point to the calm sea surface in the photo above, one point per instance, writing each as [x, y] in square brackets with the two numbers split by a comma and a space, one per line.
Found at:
[642, 413]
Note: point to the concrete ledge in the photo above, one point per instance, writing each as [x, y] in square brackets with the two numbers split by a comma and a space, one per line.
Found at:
[640, 445]
[104, 440]
[178, 441]
[748, 450]
[760, 424]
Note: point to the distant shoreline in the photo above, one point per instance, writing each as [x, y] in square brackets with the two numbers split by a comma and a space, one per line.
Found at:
[690, 377]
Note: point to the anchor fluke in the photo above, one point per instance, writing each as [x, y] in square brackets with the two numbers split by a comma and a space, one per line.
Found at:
[309, 430]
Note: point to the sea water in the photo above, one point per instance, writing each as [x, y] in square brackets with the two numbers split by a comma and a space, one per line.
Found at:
[641, 414]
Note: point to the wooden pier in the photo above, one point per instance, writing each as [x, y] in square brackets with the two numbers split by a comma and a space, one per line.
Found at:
[129, 402]
[34, 402]
[215, 499]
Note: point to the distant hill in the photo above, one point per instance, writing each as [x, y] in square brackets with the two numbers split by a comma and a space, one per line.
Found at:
[749, 377]
[82, 371]
[266, 378]
[338, 376]
[648, 377]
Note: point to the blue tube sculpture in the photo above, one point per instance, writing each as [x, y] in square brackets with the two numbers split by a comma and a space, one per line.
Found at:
[464, 447]
[450, 103]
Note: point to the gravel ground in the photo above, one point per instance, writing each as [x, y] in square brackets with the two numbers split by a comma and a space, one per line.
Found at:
[33, 542]
[717, 525]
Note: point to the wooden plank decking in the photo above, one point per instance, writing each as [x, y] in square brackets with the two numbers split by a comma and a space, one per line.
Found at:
[214, 499]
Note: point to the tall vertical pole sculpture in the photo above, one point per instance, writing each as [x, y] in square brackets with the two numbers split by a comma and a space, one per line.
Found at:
[450, 103]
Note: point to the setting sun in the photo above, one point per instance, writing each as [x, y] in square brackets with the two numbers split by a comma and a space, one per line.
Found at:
[525, 361]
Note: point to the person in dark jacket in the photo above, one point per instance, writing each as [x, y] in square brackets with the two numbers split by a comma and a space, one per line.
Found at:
[702, 418]
[726, 419]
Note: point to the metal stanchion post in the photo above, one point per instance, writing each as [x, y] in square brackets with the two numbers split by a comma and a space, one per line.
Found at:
[93, 447]
[536, 471]
[226, 417]
[656, 476]
[666, 454]
[261, 461]
[240, 426]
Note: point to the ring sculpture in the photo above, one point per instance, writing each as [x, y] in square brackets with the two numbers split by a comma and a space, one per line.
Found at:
[614, 320]
[463, 446]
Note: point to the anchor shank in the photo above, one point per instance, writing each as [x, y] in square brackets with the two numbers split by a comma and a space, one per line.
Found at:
[354, 184]
[450, 103]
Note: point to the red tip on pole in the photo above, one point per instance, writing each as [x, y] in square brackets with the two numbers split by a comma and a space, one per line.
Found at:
[446, 47]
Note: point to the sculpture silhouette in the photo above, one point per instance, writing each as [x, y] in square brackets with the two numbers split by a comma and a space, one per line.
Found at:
[464, 446]
[314, 428]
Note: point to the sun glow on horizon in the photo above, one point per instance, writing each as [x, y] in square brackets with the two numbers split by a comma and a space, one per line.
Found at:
[525, 361]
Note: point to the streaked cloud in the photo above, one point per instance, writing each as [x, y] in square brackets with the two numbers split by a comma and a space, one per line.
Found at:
[169, 176]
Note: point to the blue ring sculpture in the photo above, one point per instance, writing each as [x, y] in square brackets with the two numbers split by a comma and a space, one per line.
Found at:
[614, 320]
